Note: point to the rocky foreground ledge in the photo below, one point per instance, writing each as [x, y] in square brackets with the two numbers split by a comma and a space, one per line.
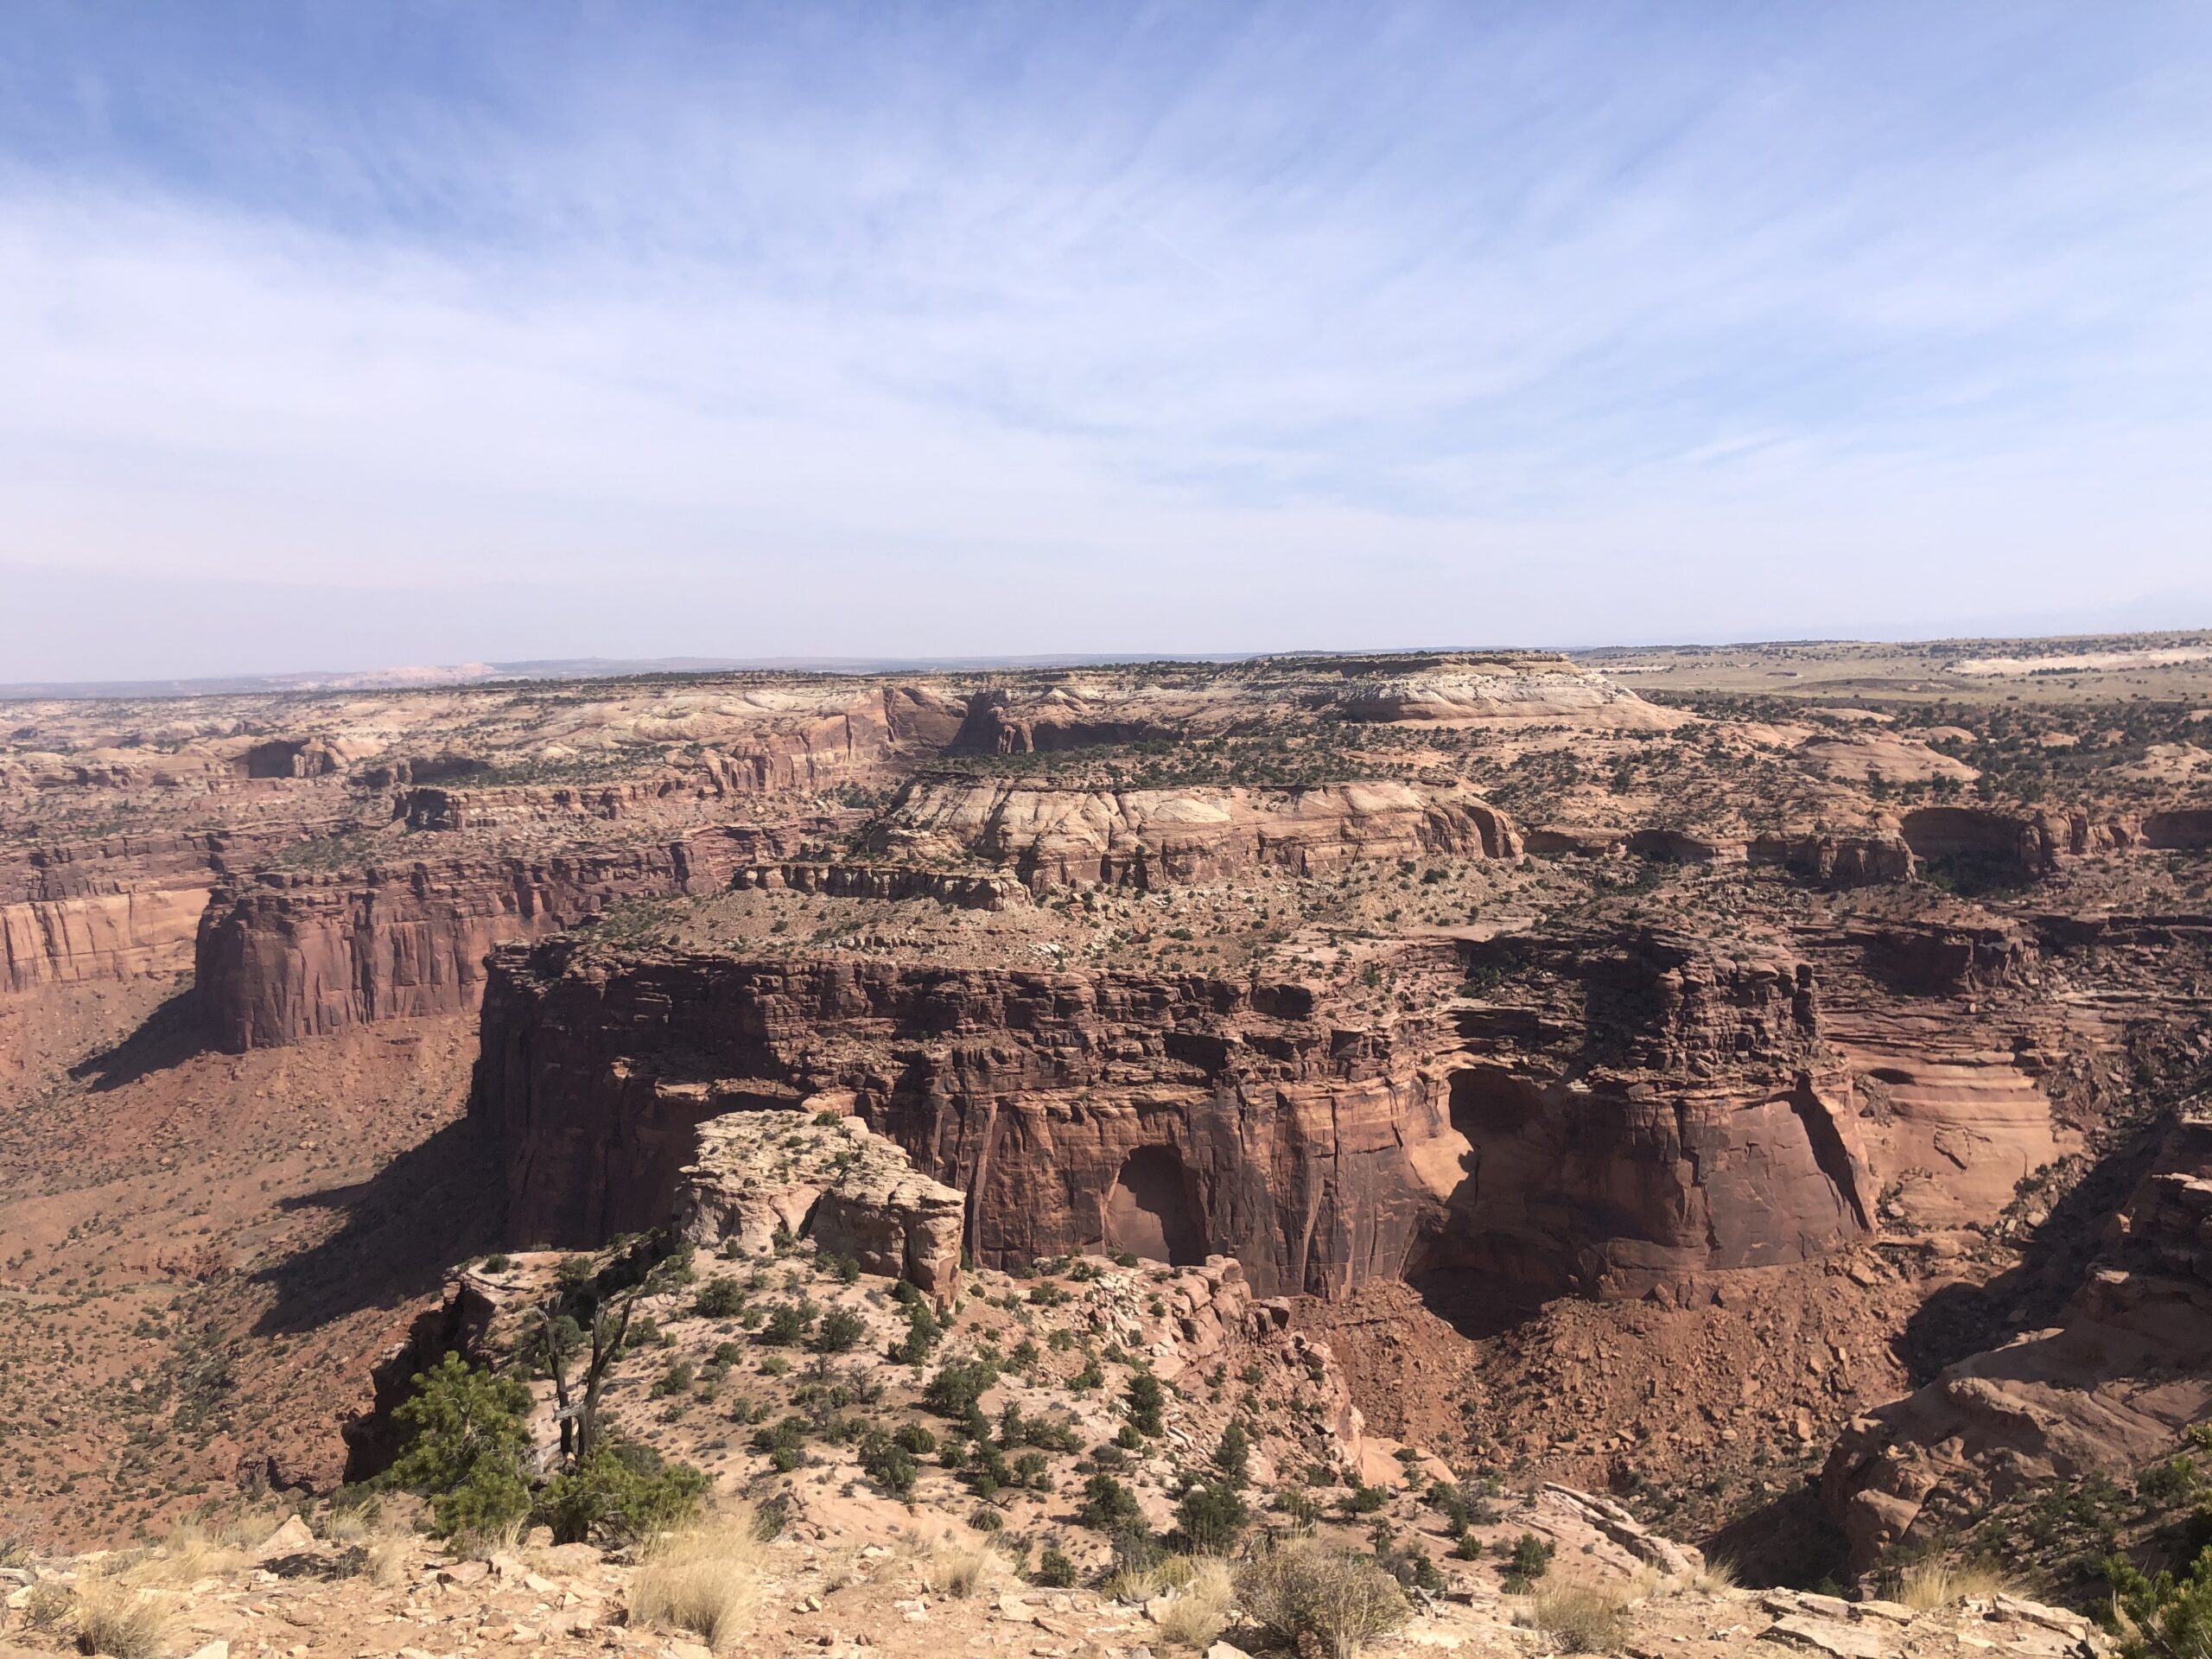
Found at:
[334, 1585]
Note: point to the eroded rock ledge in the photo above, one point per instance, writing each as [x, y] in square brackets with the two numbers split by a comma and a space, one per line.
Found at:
[1613, 1115]
[856, 1194]
[2107, 1390]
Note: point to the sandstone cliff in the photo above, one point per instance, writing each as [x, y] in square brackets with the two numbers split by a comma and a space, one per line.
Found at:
[1640, 1114]
[288, 954]
[2105, 1391]
[1150, 837]
[115, 907]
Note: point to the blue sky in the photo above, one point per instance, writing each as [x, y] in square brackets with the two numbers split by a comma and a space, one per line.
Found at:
[341, 334]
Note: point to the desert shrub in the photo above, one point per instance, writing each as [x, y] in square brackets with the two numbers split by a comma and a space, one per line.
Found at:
[1409, 1565]
[988, 1469]
[788, 1324]
[46, 1605]
[1233, 1456]
[700, 1579]
[1365, 1500]
[957, 1387]
[466, 1439]
[1146, 1400]
[1212, 1518]
[625, 1492]
[384, 1560]
[841, 1331]
[575, 1272]
[888, 1463]
[2167, 1616]
[497, 1263]
[720, 1298]
[1580, 1617]
[921, 1333]
[1014, 1429]
[117, 1620]
[1527, 1558]
[1304, 1591]
[784, 1441]
[1054, 1570]
[1717, 1576]
[2169, 1485]
[676, 1379]
[1109, 1507]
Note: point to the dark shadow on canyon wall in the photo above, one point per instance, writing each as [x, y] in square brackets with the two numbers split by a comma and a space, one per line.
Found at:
[1476, 1305]
[1961, 1319]
[1455, 1270]
[1153, 1210]
[1788, 1540]
[429, 1209]
[165, 1038]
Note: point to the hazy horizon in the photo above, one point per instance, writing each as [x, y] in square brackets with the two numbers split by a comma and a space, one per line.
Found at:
[342, 338]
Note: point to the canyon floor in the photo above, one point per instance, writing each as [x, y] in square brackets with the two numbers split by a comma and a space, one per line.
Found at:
[1748, 1095]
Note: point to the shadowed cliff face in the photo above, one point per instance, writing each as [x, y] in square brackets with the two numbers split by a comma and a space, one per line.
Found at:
[293, 956]
[1642, 1116]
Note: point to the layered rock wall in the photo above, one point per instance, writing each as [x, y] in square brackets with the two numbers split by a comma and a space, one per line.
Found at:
[290, 955]
[106, 937]
[2105, 1391]
[1671, 1115]
[114, 908]
[1058, 837]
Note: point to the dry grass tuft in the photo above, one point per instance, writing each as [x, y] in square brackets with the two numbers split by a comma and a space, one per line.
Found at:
[1580, 1617]
[1304, 1591]
[482, 1544]
[188, 1553]
[1927, 1586]
[116, 1619]
[1200, 1608]
[46, 1605]
[700, 1579]
[1716, 1578]
[1176, 1571]
[959, 1569]
[384, 1560]
[1135, 1584]
[252, 1530]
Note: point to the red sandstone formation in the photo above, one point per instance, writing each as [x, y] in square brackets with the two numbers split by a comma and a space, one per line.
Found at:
[1632, 1116]
[1149, 837]
[116, 908]
[293, 954]
[2105, 1391]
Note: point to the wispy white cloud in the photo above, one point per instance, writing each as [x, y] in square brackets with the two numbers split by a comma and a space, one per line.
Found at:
[882, 331]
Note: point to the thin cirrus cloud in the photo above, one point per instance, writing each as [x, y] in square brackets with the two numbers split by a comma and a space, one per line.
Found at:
[953, 330]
